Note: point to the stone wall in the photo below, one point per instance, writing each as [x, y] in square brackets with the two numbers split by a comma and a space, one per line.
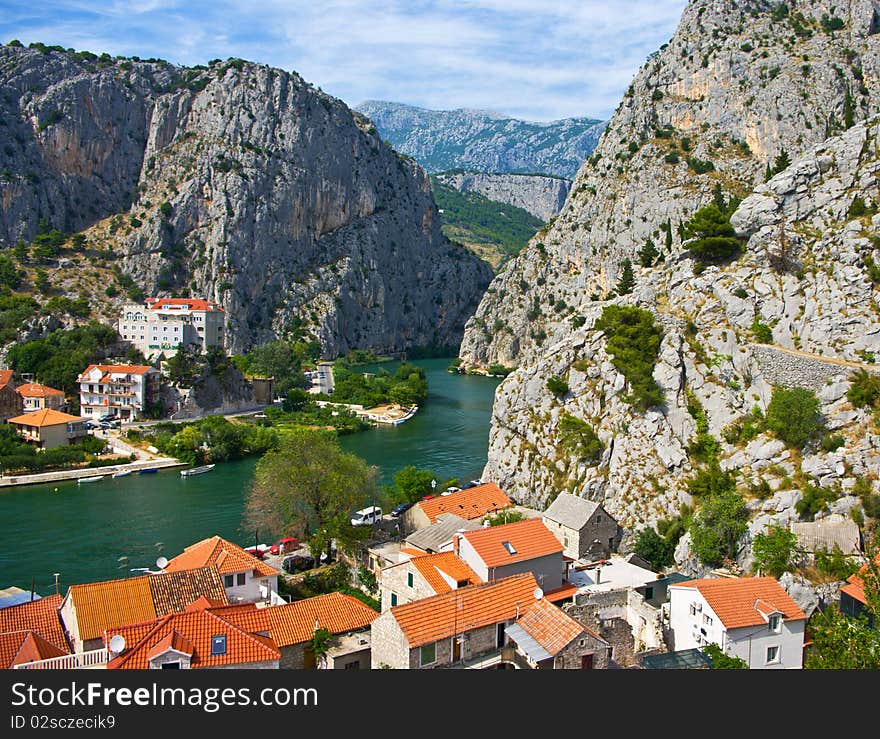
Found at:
[605, 613]
[782, 368]
[389, 646]
[570, 658]
[395, 579]
[292, 657]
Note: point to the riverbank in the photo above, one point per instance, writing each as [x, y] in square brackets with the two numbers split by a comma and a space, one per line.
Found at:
[60, 475]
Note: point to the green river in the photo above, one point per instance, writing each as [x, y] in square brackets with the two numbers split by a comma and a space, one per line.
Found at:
[83, 531]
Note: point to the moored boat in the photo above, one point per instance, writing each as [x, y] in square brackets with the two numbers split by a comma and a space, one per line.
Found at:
[149, 470]
[94, 478]
[197, 470]
[121, 473]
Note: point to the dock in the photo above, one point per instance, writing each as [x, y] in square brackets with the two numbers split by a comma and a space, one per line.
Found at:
[59, 475]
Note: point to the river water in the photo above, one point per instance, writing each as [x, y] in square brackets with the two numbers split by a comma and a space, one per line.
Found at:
[83, 531]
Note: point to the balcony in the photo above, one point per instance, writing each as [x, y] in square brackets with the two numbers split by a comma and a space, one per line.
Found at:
[95, 659]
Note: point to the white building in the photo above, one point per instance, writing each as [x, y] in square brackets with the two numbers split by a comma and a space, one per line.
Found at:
[121, 390]
[161, 324]
[752, 618]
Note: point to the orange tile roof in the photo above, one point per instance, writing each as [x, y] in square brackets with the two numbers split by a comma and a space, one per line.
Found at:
[35, 390]
[45, 417]
[855, 587]
[117, 369]
[5, 377]
[191, 303]
[227, 556]
[295, 622]
[440, 616]
[40, 616]
[112, 603]
[549, 626]
[432, 565]
[529, 539]
[471, 503]
[412, 553]
[744, 601]
[191, 633]
[18, 647]
[567, 590]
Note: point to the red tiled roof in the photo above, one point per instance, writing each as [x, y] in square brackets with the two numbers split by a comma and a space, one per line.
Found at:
[295, 622]
[18, 647]
[5, 377]
[432, 565]
[412, 553]
[116, 369]
[566, 591]
[745, 601]
[527, 539]
[228, 557]
[855, 587]
[191, 633]
[440, 616]
[40, 616]
[35, 390]
[549, 626]
[191, 303]
[471, 503]
[45, 417]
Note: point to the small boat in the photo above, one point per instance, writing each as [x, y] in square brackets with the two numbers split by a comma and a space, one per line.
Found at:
[197, 470]
[149, 470]
[90, 479]
[121, 473]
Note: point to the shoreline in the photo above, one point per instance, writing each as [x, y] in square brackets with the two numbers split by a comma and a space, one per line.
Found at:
[42, 478]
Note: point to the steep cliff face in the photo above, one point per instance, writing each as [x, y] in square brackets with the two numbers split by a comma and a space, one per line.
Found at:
[483, 141]
[241, 183]
[543, 197]
[804, 272]
[735, 87]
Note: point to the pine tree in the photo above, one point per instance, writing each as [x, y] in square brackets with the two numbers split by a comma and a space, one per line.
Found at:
[627, 279]
[669, 235]
[648, 254]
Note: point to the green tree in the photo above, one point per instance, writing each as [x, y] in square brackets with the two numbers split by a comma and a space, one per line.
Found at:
[711, 480]
[185, 366]
[412, 484]
[506, 516]
[713, 236]
[558, 386]
[653, 548]
[864, 390]
[296, 400]
[722, 661]
[780, 164]
[320, 643]
[648, 254]
[774, 550]
[717, 527]
[309, 487]
[9, 274]
[793, 415]
[627, 280]
[580, 439]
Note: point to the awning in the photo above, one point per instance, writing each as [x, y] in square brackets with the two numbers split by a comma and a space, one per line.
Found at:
[533, 651]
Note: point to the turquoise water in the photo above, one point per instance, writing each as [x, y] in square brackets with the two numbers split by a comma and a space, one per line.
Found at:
[81, 531]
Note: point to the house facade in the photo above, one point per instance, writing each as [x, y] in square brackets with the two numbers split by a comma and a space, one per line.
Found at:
[751, 618]
[11, 403]
[423, 576]
[121, 390]
[49, 429]
[160, 325]
[36, 397]
[583, 527]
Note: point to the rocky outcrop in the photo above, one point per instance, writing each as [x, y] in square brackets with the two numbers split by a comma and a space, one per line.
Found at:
[804, 272]
[240, 183]
[483, 141]
[543, 197]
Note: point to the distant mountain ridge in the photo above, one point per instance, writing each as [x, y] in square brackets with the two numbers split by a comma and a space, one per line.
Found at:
[485, 141]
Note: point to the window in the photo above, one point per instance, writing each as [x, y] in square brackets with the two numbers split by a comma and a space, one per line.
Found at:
[693, 609]
[352, 665]
[409, 579]
[394, 599]
[218, 645]
[509, 547]
[241, 578]
[170, 666]
[774, 623]
[228, 581]
[598, 519]
[649, 593]
[772, 655]
[428, 654]
[707, 619]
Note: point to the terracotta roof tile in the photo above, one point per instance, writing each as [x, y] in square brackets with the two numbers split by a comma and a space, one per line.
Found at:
[855, 587]
[111, 603]
[294, 623]
[191, 633]
[5, 377]
[412, 553]
[470, 503]
[40, 616]
[45, 417]
[549, 626]
[35, 390]
[434, 566]
[116, 369]
[567, 590]
[440, 616]
[228, 558]
[191, 303]
[741, 602]
[18, 647]
[525, 539]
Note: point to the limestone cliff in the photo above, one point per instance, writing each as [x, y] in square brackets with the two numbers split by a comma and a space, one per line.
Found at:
[541, 196]
[237, 182]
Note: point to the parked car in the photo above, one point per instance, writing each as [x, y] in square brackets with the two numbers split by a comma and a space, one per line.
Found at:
[258, 551]
[107, 417]
[89, 426]
[288, 544]
[400, 509]
[298, 563]
[367, 516]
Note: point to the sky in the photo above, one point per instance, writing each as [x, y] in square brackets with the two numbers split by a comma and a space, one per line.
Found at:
[532, 59]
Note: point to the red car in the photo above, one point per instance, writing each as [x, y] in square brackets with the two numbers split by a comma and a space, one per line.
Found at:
[284, 546]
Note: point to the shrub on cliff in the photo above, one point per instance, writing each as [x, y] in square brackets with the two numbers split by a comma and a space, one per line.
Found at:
[793, 415]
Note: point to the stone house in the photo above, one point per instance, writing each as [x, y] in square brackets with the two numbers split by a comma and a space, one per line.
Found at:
[11, 402]
[752, 618]
[424, 576]
[470, 504]
[583, 527]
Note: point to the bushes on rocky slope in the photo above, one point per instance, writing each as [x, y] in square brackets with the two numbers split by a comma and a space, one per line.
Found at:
[793, 415]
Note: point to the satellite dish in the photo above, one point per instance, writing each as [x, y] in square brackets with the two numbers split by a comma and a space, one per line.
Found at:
[538, 593]
[117, 644]
[161, 563]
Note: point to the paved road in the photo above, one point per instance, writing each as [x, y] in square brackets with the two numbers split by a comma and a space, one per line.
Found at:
[325, 378]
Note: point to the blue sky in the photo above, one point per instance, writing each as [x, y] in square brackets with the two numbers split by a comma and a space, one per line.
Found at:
[534, 59]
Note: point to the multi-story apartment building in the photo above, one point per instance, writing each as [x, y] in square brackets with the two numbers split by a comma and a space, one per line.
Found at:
[160, 325]
[121, 390]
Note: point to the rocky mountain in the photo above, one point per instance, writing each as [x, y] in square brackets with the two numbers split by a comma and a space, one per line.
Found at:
[741, 88]
[483, 141]
[541, 196]
[237, 182]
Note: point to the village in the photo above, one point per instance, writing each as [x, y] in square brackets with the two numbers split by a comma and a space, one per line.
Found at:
[465, 579]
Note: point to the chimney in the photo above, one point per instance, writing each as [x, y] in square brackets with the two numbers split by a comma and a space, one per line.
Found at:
[456, 540]
[598, 575]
